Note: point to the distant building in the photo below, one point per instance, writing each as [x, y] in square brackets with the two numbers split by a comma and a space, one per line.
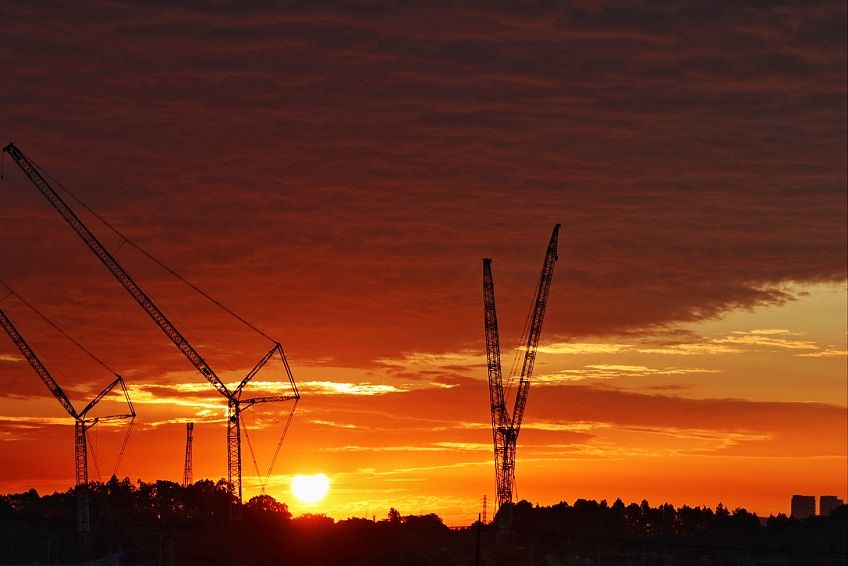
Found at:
[827, 503]
[803, 506]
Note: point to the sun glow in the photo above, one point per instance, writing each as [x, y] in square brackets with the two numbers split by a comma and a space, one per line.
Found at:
[310, 489]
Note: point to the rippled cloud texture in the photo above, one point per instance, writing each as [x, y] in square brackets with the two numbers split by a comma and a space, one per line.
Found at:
[335, 171]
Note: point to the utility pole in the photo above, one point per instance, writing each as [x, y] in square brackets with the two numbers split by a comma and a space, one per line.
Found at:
[477, 553]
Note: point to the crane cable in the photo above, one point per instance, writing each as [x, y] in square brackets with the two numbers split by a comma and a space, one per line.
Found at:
[147, 254]
[525, 332]
[252, 453]
[120, 457]
[263, 479]
[123, 447]
[92, 356]
[90, 447]
[56, 327]
[282, 437]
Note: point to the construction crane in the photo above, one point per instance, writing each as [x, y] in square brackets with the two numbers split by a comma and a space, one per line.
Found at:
[82, 422]
[505, 428]
[187, 468]
[235, 403]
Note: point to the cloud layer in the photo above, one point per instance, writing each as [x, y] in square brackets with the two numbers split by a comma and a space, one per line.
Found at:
[336, 173]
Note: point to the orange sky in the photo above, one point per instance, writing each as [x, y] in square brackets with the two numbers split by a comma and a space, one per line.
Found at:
[335, 175]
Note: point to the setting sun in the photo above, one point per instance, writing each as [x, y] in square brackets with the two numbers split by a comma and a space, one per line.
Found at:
[310, 489]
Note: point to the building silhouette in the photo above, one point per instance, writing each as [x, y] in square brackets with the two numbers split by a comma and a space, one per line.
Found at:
[827, 503]
[803, 506]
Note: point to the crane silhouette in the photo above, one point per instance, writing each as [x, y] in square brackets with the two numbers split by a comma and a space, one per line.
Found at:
[235, 403]
[505, 427]
[82, 422]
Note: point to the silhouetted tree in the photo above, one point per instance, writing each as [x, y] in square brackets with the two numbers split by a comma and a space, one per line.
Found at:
[267, 504]
[429, 521]
[313, 521]
[140, 519]
[394, 517]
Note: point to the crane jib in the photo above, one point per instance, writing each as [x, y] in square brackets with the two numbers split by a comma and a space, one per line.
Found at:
[117, 270]
[36, 364]
[505, 430]
[234, 402]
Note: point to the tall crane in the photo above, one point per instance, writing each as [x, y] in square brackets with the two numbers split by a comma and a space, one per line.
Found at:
[82, 422]
[505, 428]
[187, 467]
[235, 403]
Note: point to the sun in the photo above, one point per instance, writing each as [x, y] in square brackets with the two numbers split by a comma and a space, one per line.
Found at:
[310, 489]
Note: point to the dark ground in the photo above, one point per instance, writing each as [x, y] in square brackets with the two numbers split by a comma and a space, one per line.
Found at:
[165, 524]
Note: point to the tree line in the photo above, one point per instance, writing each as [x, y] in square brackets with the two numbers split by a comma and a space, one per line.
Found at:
[165, 523]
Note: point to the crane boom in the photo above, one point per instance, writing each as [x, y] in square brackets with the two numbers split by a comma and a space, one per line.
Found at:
[235, 403]
[36, 364]
[493, 348]
[500, 418]
[505, 429]
[535, 330]
[81, 422]
[115, 269]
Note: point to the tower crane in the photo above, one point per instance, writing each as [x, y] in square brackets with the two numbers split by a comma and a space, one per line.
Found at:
[236, 404]
[82, 422]
[187, 467]
[505, 428]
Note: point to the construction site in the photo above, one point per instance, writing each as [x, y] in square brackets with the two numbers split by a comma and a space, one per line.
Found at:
[369, 282]
[103, 519]
[104, 538]
[209, 520]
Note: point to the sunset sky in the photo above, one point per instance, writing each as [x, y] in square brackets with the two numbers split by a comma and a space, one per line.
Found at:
[335, 172]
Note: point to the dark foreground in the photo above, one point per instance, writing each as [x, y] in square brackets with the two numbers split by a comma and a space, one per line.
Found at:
[164, 523]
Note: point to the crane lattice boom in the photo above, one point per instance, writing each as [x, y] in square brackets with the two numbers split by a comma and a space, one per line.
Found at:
[500, 417]
[81, 422]
[115, 268]
[505, 429]
[235, 404]
[36, 364]
[535, 330]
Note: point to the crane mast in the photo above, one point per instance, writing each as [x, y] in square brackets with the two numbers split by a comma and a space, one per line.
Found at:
[187, 467]
[505, 429]
[235, 404]
[81, 422]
